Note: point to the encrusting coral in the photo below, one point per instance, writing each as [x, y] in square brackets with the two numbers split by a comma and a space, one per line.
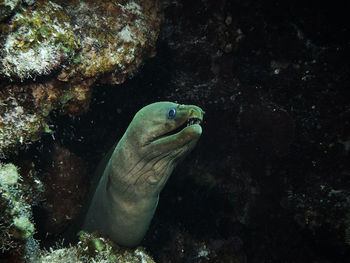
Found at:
[86, 37]
[17, 125]
[38, 40]
[52, 52]
[16, 225]
[92, 248]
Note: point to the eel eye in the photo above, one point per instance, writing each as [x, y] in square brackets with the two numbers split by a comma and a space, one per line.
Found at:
[171, 113]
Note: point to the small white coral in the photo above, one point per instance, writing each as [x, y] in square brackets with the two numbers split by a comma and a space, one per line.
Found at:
[133, 8]
[24, 225]
[66, 255]
[125, 34]
[8, 175]
[37, 43]
[31, 62]
[141, 255]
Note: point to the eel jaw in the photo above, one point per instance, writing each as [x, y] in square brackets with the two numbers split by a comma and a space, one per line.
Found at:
[187, 123]
[192, 121]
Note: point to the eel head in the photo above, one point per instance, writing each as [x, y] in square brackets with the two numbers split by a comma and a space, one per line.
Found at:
[163, 134]
[169, 126]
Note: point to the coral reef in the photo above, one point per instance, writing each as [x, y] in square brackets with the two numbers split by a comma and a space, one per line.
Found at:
[17, 125]
[39, 38]
[88, 38]
[115, 37]
[92, 248]
[17, 227]
[24, 110]
[52, 52]
[16, 224]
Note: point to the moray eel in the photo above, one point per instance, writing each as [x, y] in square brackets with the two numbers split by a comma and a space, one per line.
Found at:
[158, 138]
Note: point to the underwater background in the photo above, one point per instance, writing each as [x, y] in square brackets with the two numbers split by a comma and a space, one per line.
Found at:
[269, 180]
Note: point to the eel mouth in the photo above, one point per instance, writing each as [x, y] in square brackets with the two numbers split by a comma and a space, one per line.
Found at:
[188, 122]
[192, 121]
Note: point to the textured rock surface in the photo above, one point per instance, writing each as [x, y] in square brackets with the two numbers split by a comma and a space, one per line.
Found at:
[89, 38]
[53, 51]
[37, 40]
[92, 248]
[16, 221]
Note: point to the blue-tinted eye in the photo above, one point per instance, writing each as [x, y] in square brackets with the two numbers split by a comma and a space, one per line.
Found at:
[171, 113]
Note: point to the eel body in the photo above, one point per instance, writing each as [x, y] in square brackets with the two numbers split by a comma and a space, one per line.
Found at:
[158, 138]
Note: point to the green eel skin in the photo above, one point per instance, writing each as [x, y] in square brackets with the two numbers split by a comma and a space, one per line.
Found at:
[158, 138]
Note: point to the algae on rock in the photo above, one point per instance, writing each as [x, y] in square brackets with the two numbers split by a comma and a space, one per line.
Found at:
[52, 52]
[16, 224]
[17, 125]
[39, 39]
[94, 249]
